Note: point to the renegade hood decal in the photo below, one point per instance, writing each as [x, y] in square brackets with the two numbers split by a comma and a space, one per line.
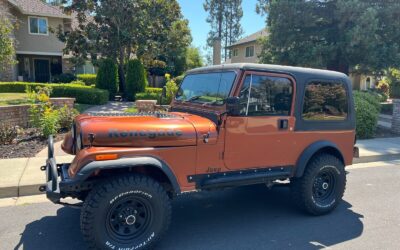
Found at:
[135, 130]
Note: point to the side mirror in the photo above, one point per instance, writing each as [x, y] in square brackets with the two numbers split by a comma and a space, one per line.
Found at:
[233, 106]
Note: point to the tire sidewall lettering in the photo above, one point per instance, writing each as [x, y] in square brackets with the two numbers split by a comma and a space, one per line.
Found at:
[137, 192]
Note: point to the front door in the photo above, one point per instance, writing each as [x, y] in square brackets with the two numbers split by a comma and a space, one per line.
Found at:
[42, 70]
[261, 135]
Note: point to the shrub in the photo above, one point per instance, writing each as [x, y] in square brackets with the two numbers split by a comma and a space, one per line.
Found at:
[366, 116]
[7, 134]
[135, 79]
[82, 94]
[49, 122]
[88, 79]
[107, 77]
[393, 78]
[383, 86]
[66, 117]
[371, 98]
[179, 79]
[171, 89]
[64, 78]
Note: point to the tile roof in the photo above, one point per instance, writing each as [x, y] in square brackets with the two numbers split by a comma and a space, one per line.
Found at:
[37, 7]
[251, 38]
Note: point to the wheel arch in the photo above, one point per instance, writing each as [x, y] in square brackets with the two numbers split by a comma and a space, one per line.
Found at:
[313, 150]
[149, 165]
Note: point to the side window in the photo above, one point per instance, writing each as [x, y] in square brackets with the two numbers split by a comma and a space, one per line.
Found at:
[250, 51]
[325, 101]
[266, 95]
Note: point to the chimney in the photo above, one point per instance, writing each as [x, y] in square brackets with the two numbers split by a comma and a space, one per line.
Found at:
[217, 51]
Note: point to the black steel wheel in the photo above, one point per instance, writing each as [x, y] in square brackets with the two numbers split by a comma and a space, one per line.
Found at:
[126, 212]
[322, 185]
[129, 218]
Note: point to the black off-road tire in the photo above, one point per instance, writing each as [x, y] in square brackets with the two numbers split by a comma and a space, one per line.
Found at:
[125, 212]
[322, 185]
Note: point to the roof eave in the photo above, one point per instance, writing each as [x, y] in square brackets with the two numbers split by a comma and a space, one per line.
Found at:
[37, 14]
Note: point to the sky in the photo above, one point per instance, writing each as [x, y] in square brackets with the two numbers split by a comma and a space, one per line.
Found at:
[194, 12]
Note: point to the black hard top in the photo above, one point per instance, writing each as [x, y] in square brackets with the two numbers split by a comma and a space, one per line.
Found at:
[295, 71]
[302, 76]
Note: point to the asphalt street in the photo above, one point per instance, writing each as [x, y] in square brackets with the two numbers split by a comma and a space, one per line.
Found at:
[242, 218]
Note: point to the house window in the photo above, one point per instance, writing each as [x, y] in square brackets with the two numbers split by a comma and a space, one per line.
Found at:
[235, 52]
[38, 26]
[250, 51]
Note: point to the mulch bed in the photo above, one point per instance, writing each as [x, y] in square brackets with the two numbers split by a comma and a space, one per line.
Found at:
[27, 144]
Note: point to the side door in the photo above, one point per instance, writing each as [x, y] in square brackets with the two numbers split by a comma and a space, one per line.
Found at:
[261, 135]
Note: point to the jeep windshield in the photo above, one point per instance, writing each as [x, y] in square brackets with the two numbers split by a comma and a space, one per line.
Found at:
[206, 88]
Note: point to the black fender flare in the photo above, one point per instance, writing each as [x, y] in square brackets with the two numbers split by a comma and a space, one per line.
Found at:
[88, 169]
[310, 151]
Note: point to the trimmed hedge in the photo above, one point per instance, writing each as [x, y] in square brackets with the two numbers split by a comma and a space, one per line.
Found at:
[82, 94]
[149, 94]
[88, 79]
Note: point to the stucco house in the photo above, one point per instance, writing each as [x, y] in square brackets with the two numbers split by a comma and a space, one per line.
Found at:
[39, 52]
[248, 49]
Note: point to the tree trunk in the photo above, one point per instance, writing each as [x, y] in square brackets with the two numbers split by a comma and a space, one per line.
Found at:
[121, 73]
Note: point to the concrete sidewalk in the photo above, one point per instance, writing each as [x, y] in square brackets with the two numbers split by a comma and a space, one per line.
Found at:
[22, 176]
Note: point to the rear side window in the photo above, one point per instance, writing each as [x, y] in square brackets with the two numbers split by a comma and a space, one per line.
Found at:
[325, 101]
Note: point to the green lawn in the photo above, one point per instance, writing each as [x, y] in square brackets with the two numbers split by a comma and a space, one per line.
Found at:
[131, 110]
[13, 99]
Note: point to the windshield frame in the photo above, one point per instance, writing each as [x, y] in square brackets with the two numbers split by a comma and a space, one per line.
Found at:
[234, 81]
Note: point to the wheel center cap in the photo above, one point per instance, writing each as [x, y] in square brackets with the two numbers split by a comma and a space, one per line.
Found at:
[130, 220]
[325, 185]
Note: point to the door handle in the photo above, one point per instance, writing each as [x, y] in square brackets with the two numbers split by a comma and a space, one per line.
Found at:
[283, 124]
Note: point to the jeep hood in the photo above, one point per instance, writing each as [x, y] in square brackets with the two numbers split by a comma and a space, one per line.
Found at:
[141, 130]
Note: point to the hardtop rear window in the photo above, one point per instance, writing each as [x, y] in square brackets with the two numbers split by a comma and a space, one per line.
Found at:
[325, 101]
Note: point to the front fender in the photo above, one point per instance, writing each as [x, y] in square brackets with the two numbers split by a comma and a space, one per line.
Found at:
[91, 167]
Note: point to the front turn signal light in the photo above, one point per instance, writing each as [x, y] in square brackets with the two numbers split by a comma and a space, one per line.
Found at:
[106, 157]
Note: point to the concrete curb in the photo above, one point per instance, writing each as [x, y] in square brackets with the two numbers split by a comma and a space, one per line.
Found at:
[25, 176]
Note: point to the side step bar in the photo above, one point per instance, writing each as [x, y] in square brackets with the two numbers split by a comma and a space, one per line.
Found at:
[241, 178]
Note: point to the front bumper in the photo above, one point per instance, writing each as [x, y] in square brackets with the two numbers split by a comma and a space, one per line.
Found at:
[56, 176]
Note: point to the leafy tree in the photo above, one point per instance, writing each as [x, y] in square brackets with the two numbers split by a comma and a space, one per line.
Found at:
[7, 49]
[135, 78]
[224, 17]
[107, 77]
[126, 28]
[193, 58]
[339, 35]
